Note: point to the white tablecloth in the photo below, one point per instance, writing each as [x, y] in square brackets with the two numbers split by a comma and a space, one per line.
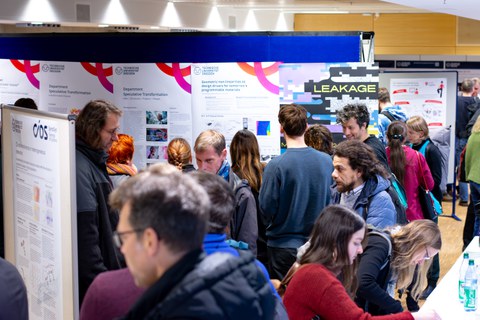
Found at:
[444, 299]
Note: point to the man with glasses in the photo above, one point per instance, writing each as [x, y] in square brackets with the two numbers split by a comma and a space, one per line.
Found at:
[95, 130]
[164, 216]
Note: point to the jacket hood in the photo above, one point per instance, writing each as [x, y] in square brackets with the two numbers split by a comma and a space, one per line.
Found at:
[397, 112]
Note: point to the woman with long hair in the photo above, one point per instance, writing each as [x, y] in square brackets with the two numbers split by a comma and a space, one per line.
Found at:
[390, 259]
[245, 155]
[314, 290]
[409, 167]
[418, 135]
[179, 154]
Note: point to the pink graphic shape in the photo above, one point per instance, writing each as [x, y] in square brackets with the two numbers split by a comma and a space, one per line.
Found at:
[260, 73]
[30, 76]
[102, 77]
[177, 73]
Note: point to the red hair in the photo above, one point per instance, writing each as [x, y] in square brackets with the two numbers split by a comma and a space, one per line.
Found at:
[121, 150]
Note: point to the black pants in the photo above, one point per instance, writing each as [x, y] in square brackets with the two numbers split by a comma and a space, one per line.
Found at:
[279, 261]
[468, 226]
[434, 271]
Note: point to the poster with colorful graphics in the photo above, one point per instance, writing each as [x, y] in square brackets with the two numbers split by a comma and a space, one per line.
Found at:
[324, 88]
[19, 79]
[233, 96]
[156, 103]
[68, 86]
[426, 97]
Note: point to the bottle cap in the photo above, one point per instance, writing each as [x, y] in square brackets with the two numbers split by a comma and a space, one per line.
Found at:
[465, 255]
[471, 262]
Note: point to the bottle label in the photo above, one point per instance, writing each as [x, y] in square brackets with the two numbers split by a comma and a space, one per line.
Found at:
[461, 291]
[470, 303]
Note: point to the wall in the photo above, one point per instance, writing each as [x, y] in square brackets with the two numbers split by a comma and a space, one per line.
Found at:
[404, 34]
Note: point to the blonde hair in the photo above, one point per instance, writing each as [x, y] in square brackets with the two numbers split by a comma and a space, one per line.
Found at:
[416, 235]
[418, 124]
[179, 152]
[210, 138]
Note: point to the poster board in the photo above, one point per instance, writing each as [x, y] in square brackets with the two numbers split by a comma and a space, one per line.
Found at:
[438, 112]
[40, 208]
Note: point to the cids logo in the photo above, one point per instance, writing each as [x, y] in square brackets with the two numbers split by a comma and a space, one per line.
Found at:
[40, 131]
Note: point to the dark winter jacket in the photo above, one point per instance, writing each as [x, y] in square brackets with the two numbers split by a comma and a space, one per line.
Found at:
[95, 221]
[243, 226]
[218, 286]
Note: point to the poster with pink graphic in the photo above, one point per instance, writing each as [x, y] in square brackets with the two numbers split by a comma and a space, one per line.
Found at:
[156, 103]
[19, 79]
[426, 97]
[233, 96]
[68, 86]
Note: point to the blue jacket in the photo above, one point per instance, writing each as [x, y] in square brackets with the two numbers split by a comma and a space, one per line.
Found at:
[383, 122]
[374, 197]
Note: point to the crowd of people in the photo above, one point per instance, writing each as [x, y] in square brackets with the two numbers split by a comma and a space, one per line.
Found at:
[315, 233]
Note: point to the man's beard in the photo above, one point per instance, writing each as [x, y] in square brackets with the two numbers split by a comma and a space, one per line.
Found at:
[345, 188]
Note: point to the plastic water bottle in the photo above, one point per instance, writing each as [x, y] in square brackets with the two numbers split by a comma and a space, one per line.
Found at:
[461, 278]
[470, 287]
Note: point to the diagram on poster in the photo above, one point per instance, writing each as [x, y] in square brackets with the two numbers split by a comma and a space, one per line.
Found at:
[68, 86]
[19, 79]
[156, 103]
[235, 96]
[37, 213]
[324, 88]
[423, 97]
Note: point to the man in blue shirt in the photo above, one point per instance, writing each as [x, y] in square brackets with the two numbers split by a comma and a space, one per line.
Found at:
[294, 191]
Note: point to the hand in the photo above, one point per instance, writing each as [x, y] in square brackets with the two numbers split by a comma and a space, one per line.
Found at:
[426, 315]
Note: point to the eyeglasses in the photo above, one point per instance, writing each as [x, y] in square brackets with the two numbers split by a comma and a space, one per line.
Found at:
[427, 256]
[117, 236]
[113, 132]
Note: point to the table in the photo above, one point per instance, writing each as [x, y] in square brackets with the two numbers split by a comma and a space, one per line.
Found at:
[444, 299]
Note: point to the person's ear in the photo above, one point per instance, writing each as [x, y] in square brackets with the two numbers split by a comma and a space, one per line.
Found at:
[150, 241]
[224, 154]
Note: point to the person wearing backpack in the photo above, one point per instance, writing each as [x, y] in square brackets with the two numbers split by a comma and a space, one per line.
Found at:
[387, 113]
[417, 132]
[389, 260]
[361, 183]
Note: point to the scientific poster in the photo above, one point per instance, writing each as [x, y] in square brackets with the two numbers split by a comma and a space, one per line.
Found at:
[233, 96]
[38, 233]
[425, 97]
[156, 103]
[68, 86]
[19, 79]
[324, 88]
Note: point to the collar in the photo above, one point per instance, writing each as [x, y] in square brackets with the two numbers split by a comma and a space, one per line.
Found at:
[224, 170]
[161, 289]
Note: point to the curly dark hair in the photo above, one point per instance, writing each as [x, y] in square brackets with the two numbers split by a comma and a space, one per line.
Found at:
[319, 138]
[358, 111]
[361, 157]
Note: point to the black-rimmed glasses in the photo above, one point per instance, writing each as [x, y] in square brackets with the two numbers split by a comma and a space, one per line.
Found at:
[117, 236]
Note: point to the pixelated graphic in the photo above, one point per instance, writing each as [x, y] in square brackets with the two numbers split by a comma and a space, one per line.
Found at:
[263, 128]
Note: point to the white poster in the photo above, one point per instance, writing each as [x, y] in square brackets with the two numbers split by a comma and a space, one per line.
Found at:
[37, 213]
[233, 96]
[68, 86]
[156, 103]
[423, 97]
[19, 79]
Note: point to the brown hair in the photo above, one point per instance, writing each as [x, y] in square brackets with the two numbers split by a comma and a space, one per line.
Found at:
[397, 134]
[179, 152]
[293, 119]
[329, 240]
[383, 95]
[91, 121]
[245, 156]
[319, 138]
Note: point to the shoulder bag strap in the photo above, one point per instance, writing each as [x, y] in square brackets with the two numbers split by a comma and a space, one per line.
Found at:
[421, 170]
